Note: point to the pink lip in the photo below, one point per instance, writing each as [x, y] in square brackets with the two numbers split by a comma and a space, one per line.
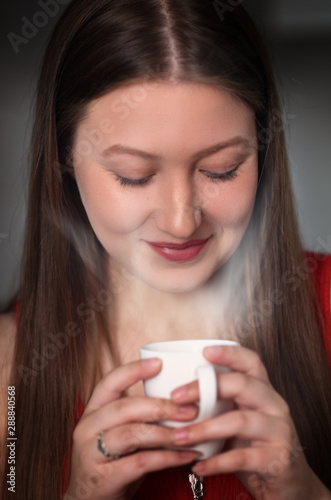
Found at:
[178, 252]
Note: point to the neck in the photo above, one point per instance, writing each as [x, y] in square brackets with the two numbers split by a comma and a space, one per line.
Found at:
[141, 314]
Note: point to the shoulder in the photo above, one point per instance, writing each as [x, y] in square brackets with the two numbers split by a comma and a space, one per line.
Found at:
[319, 267]
[7, 343]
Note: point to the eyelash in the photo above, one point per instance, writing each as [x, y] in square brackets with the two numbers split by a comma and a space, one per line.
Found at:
[132, 182]
[226, 176]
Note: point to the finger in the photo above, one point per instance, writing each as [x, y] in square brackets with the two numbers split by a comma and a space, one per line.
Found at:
[241, 460]
[238, 359]
[245, 391]
[134, 409]
[134, 466]
[129, 438]
[245, 424]
[113, 475]
[117, 381]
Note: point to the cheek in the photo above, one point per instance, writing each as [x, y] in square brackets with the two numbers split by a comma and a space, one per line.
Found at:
[109, 211]
[232, 203]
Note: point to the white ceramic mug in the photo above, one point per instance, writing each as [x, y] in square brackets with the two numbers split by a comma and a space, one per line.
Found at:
[182, 362]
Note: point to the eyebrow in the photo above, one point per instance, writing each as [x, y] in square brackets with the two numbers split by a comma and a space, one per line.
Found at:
[121, 149]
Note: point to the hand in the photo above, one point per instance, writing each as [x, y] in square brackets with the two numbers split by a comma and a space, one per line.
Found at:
[263, 446]
[130, 430]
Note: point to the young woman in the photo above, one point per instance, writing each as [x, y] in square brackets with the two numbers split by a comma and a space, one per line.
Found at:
[161, 208]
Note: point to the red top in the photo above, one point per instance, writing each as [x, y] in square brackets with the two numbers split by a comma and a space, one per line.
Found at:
[173, 483]
[320, 267]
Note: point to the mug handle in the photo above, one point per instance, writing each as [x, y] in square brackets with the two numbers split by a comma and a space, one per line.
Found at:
[208, 391]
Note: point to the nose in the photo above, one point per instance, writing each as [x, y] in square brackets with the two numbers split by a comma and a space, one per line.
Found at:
[179, 211]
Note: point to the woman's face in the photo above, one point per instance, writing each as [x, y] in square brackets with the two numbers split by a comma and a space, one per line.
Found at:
[167, 174]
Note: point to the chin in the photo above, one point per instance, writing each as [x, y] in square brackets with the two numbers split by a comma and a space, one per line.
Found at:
[177, 286]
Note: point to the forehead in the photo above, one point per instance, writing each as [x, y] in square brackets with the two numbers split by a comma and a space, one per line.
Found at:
[159, 116]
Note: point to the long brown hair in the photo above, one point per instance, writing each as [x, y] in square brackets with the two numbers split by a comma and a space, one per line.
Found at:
[97, 46]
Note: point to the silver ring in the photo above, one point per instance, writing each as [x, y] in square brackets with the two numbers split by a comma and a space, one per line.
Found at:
[102, 448]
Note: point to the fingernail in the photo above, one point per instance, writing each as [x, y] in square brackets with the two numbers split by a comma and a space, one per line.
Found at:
[179, 393]
[180, 435]
[213, 350]
[186, 409]
[187, 455]
[151, 362]
[199, 469]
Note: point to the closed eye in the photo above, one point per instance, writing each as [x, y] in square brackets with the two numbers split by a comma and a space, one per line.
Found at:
[224, 176]
[124, 181]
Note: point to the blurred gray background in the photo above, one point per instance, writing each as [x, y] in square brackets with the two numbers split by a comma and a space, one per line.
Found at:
[298, 33]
